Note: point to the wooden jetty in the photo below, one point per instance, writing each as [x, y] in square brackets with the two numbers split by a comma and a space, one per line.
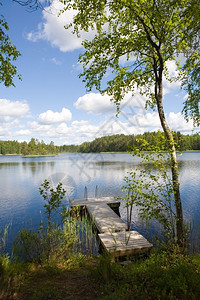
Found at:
[113, 233]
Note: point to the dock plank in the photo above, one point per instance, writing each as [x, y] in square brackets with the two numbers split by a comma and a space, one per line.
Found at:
[106, 220]
[124, 243]
[113, 232]
[111, 201]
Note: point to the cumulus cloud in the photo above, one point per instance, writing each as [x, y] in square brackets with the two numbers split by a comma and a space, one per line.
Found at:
[95, 102]
[50, 117]
[52, 125]
[23, 132]
[84, 128]
[133, 101]
[173, 73]
[102, 104]
[62, 129]
[52, 29]
[12, 109]
[148, 120]
[178, 123]
[123, 59]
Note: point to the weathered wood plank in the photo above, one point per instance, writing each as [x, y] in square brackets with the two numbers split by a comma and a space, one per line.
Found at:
[106, 220]
[124, 243]
[111, 201]
[113, 235]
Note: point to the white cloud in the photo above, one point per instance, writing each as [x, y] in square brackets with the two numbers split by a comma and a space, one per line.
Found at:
[56, 61]
[84, 128]
[50, 117]
[12, 109]
[52, 125]
[79, 124]
[102, 104]
[52, 29]
[95, 102]
[62, 129]
[22, 132]
[173, 73]
[80, 131]
[172, 68]
[133, 101]
[123, 59]
[148, 120]
[178, 123]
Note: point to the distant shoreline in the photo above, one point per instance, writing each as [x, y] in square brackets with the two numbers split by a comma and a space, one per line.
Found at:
[102, 152]
[39, 155]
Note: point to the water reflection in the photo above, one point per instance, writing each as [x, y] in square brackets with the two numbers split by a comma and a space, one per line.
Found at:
[39, 166]
[21, 203]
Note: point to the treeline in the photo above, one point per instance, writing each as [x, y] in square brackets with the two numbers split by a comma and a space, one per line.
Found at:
[113, 143]
[122, 143]
[34, 147]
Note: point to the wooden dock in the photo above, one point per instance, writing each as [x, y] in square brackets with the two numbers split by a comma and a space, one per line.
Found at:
[125, 244]
[113, 233]
[110, 201]
[106, 220]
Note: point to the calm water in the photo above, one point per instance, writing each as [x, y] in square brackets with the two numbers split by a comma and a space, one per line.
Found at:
[21, 204]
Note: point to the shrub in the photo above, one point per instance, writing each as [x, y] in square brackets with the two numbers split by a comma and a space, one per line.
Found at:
[53, 240]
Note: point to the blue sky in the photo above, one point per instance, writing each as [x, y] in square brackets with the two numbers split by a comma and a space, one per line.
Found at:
[51, 102]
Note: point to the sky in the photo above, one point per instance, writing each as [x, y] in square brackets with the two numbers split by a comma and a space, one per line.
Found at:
[51, 102]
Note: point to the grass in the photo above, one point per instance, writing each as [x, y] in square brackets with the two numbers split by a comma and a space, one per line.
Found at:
[69, 280]
[164, 275]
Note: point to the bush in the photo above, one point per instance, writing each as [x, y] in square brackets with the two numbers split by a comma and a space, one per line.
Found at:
[51, 241]
[166, 275]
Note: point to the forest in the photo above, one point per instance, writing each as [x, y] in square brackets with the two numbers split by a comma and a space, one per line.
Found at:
[110, 143]
[122, 143]
[34, 147]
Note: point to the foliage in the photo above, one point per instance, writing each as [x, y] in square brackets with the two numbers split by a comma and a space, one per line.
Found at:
[3, 238]
[4, 258]
[33, 4]
[69, 148]
[150, 188]
[8, 54]
[164, 275]
[34, 147]
[53, 199]
[151, 34]
[148, 35]
[123, 143]
[111, 143]
[59, 236]
[52, 240]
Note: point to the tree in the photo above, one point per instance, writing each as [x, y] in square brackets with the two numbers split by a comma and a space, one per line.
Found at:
[8, 53]
[148, 33]
[34, 4]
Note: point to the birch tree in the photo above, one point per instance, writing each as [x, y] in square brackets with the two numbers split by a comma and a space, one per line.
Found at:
[148, 34]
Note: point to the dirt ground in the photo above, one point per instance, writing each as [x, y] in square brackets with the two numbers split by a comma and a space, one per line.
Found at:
[56, 284]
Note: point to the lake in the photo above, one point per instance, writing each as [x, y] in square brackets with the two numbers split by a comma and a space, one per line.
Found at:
[102, 173]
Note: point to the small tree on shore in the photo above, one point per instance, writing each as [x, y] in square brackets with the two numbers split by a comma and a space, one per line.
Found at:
[149, 188]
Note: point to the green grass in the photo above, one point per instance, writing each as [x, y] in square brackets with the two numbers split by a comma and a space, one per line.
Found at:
[164, 275]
